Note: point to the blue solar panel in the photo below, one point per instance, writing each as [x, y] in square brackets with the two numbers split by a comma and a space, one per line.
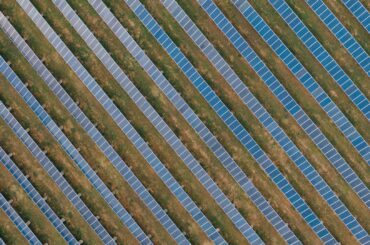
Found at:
[73, 153]
[55, 175]
[359, 11]
[119, 118]
[17, 220]
[93, 132]
[36, 197]
[250, 101]
[233, 80]
[271, 38]
[311, 174]
[342, 34]
[223, 111]
[149, 111]
[336, 72]
[2, 242]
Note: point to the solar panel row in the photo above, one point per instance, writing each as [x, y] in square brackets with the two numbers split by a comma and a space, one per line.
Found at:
[359, 11]
[17, 220]
[36, 197]
[277, 45]
[326, 192]
[260, 112]
[95, 134]
[154, 117]
[229, 75]
[74, 154]
[226, 115]
[192, 119]
[327, 61]
[294, 109]
[121, 121]
[55, 175]
[341, 33]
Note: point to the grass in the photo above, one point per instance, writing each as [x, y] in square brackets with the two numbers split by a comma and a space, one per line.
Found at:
[319, 117]
[198, 104]
[333, 46]
[175, 121]
[46, 187]
[148, 132]
[8, 231]
[28, 211]
[366, 4]
[119, 141]
[62, 161]
[312, 65]
[15, 101]
[303, 97]
[328, 172]
[350, 22]
[266, 143]
[95, 157]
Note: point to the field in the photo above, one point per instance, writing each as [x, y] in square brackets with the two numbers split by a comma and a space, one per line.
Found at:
[184, 220]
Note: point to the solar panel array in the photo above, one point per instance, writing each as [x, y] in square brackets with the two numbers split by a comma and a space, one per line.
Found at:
[234, 125]
[229, 76]
[152, 115]
[310, 41]
[17, 220]
[241, 221]
[260, 112]
[359, 11]
[283, 52]
[54, 173]
[296, 111]
[36, 197]
[74, 154]
[341, 33]
[193, 120]
[122, 122]
[94, 133]
[326, 60]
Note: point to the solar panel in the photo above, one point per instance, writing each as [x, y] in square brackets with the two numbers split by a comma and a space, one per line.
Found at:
[120, 120]
[359, 11]
[292, 62]
[17, 220]
[36, 197]
[192, 118]
[325, 59]
[73, 153]
[93, 132]
[260, 112]
[230, 76]
[286, 144]
[55, 175]
[341, 33]
[225, 114]
[145, 107]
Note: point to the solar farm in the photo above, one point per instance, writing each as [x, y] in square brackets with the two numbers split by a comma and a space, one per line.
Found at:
[184, 122]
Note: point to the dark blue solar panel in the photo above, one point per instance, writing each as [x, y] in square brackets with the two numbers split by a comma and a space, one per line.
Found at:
[359, 11]
[205, 90]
